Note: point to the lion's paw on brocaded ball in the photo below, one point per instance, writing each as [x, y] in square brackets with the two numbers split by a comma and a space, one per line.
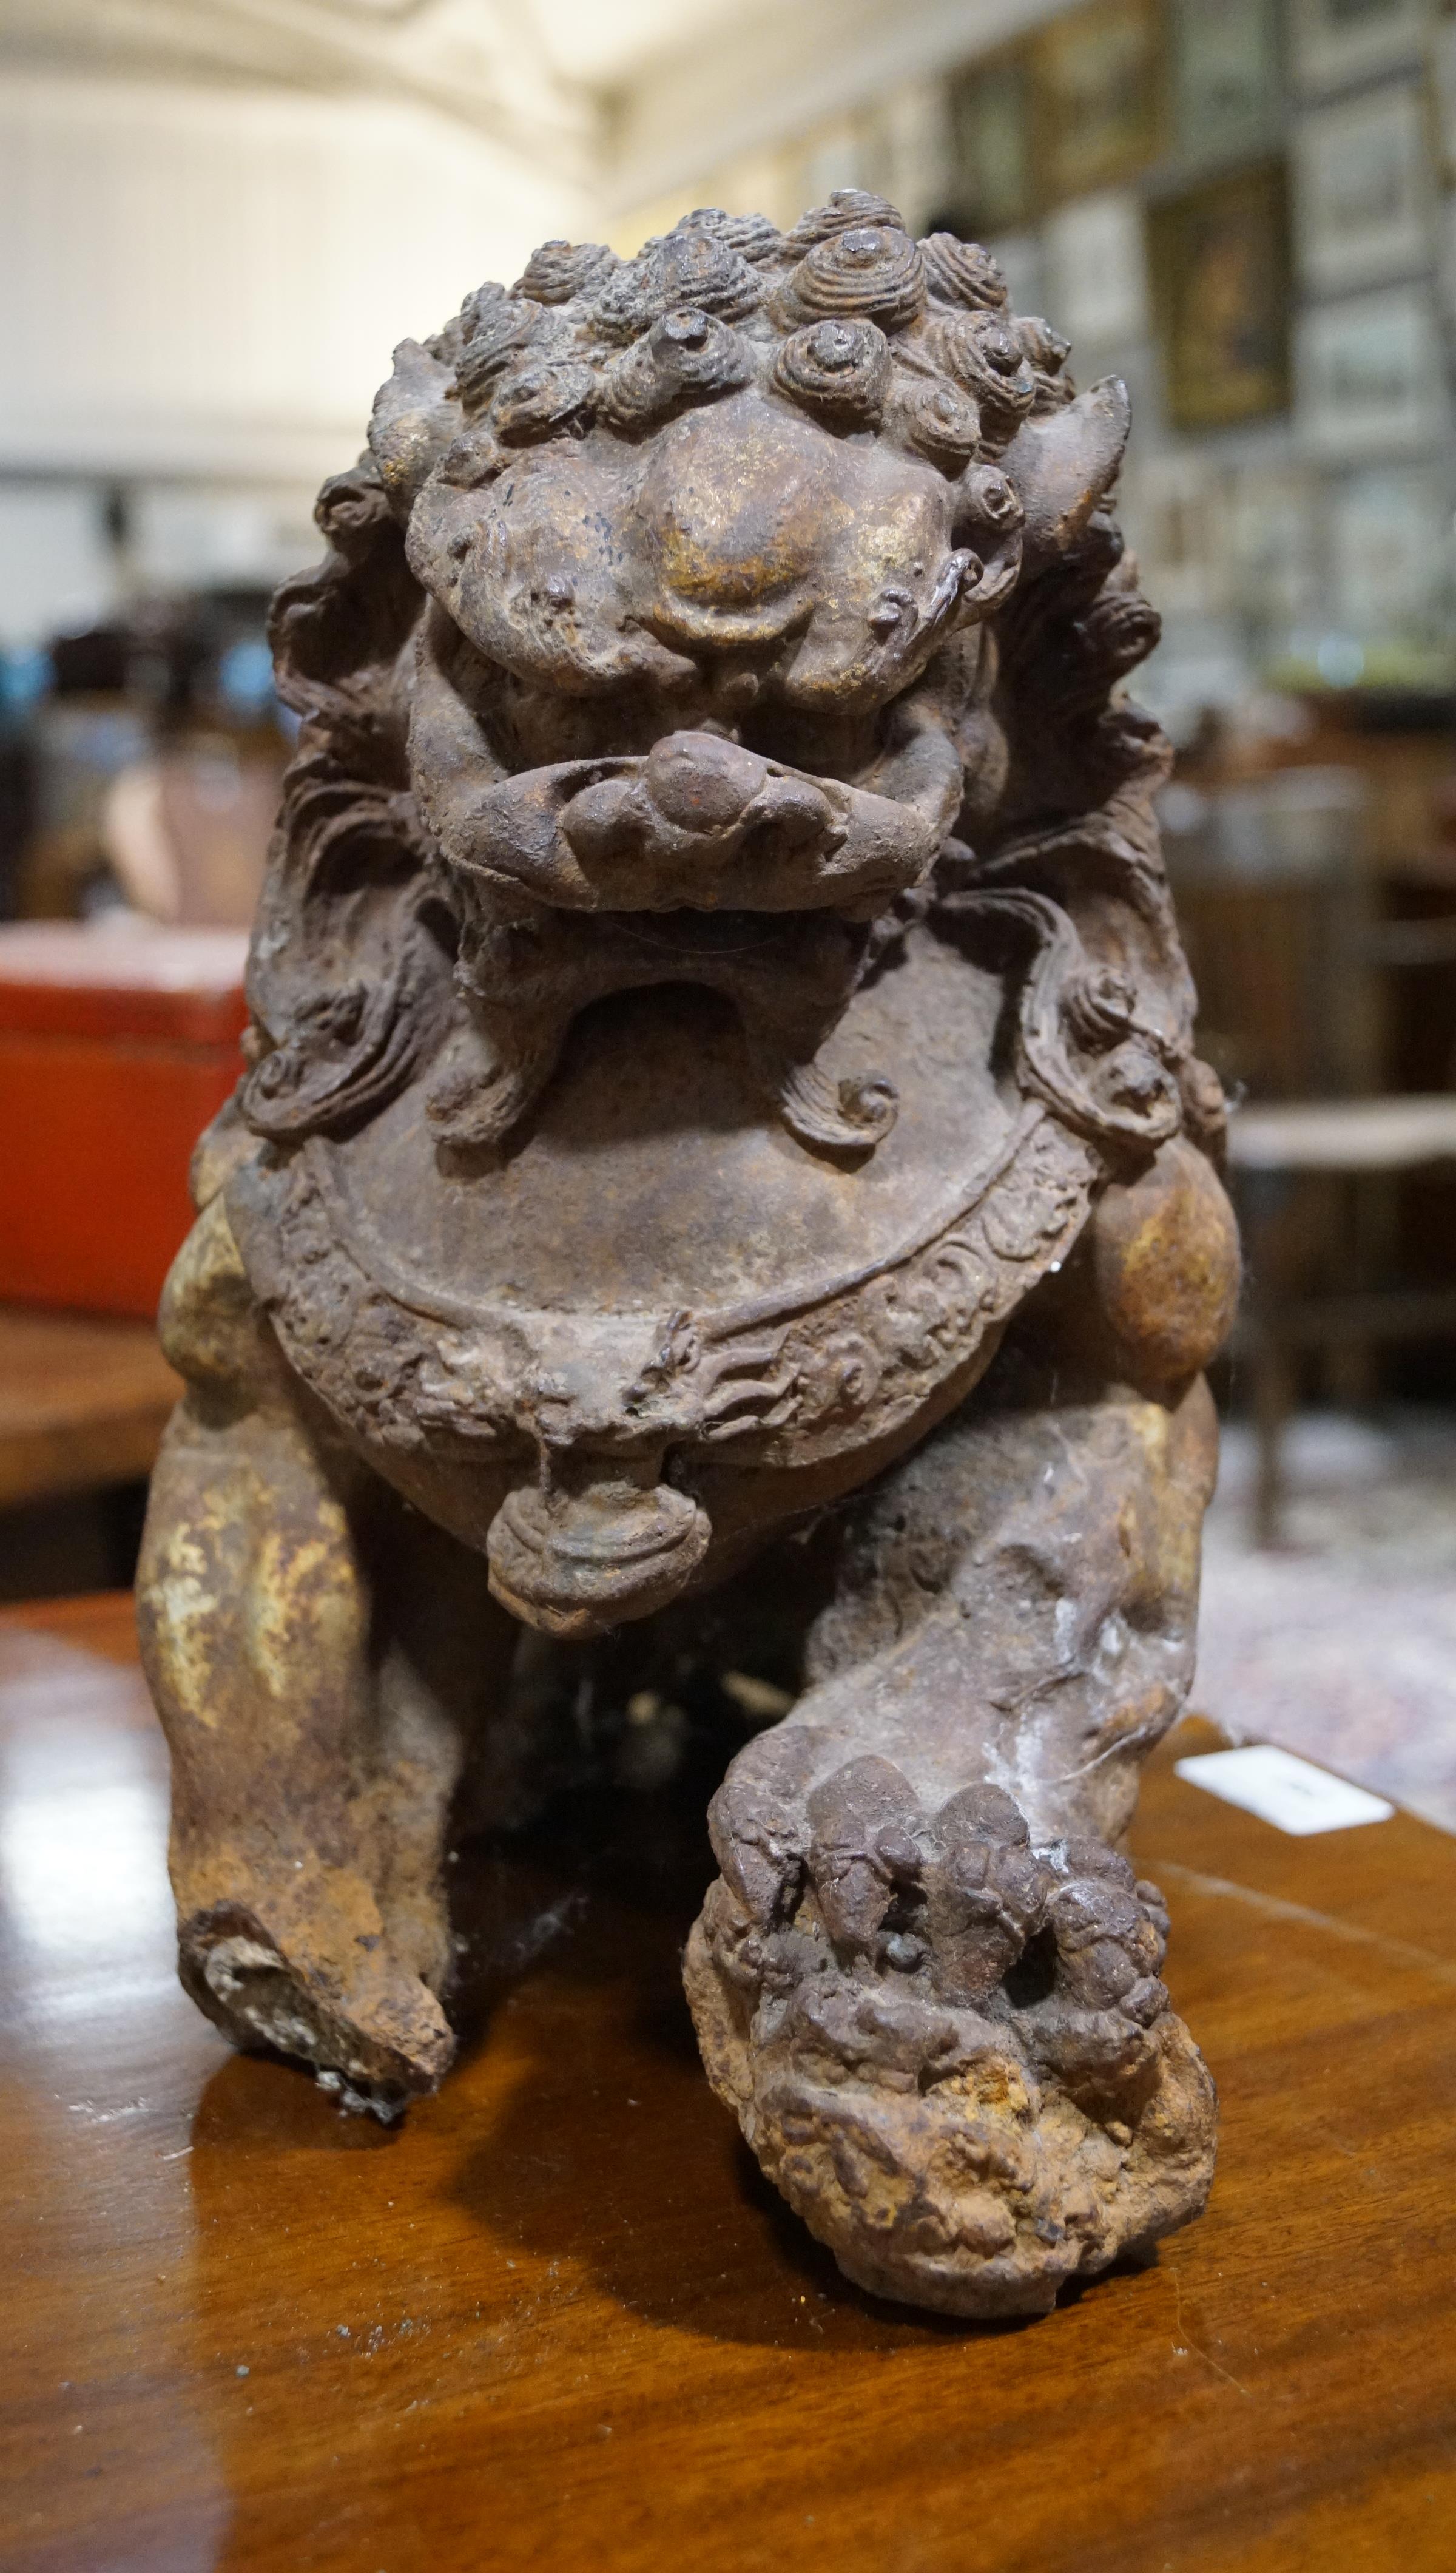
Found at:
[720, 1142]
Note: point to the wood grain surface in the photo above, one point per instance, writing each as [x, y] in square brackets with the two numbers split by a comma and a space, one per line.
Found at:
[557, 2320]
[84, 1400]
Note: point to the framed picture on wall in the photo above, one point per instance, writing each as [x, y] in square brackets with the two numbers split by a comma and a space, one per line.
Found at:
[1275, 529]
[1219, 257]
[1175, 512]
[991, 130]
[1226, 75]
[1443, 66]
[1371, 373]
[1021, 259]
[1097, 271]
[1099, 90]
[1363, 194]
[1391, 548]
[1336, 42]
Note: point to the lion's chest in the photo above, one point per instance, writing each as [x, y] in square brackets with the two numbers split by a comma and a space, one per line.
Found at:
[659, 1270]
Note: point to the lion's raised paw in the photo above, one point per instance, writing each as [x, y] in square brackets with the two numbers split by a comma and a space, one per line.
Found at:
[950, 2049]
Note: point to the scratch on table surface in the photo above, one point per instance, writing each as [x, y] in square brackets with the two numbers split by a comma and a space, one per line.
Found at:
[1349, 2151]
[1274, 1907]
[1186, 2343]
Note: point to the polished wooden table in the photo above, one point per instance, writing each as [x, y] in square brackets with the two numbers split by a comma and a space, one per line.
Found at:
[556, 2320]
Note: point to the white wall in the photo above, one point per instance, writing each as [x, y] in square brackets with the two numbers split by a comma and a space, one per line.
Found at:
[210, 280]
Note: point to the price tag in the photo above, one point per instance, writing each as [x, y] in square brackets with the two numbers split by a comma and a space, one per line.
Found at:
[1283, 1790]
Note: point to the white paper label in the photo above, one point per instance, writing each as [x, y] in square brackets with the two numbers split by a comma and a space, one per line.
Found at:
[1283, 1790]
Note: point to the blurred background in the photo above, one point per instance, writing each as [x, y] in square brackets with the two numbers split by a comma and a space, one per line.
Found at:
[217, 217]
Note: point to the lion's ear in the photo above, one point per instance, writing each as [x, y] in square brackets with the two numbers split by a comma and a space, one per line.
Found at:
[414, 419]
[1062, 466]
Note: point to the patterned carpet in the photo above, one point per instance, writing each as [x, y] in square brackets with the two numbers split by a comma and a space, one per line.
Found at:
[1343, 1644]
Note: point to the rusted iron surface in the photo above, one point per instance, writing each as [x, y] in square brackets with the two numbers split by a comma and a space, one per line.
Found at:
[722, 1170]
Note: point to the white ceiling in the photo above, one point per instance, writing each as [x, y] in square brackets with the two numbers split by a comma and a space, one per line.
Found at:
[596, 42]
[483, 62]
[605, 41]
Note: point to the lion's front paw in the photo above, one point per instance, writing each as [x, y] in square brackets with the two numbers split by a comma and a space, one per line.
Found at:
[949, 2048]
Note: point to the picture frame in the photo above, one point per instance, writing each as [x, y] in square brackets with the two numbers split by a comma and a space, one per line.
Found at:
[1226, 76]
[1100, 85]
[1275, 529]
[1219, 261]
[991, 117]
[1443, 82]
[1021, 259]
[1371, 375]
[1364, 199]
[1174, 515]
[1392, 549]
[1336, 43]
[1097, 271]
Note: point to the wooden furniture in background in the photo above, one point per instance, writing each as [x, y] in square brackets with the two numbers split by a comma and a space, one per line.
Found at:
[83, 1403]
[556, 2319]
[1275, 1152]
[1276, 903]
[1326, 1014]
[117, 1044]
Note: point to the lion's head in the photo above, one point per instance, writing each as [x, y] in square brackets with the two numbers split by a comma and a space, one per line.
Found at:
[666, 637]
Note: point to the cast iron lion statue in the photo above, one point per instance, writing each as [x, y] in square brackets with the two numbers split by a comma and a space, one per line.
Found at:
[721, 1118]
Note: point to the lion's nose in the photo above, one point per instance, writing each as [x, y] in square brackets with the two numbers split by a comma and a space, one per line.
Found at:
[701, 782]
